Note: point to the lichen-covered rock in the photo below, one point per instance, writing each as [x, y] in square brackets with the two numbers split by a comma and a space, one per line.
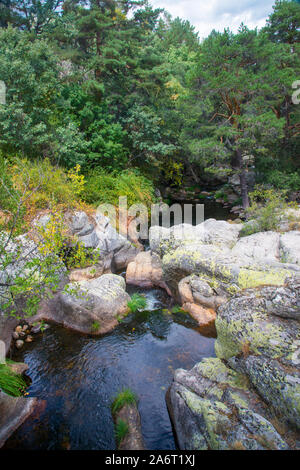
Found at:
[92, 307]
[217, 232]
[233, 401]
[212, 407]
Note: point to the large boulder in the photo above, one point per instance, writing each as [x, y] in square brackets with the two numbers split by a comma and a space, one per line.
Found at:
[237, 400]
[212, 409]
[213, 232]
[13, 412]
[290, 247]
[146, 271]
[96, 232]
[92, 307]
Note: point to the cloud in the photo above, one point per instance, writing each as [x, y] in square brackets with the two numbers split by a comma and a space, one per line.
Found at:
[207, 15]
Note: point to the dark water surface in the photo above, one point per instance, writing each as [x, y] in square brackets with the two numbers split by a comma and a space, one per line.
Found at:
[78, 377]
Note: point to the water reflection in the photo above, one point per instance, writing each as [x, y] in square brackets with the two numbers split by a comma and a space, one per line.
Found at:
[78, 376]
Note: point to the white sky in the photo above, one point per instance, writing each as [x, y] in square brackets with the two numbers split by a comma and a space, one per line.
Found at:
[207, 15]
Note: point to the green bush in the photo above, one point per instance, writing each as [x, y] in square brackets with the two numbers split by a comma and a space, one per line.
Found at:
[267, 207]
[284, 181]
[102, 187]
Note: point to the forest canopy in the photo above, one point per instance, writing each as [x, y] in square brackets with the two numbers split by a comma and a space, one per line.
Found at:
[119, 85]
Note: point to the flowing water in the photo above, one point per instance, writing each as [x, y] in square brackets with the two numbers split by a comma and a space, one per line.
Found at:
[78, 377]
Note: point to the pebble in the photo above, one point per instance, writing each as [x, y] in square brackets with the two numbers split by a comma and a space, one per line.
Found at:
[36, 329]
[15, 335]
[29, 339]
[18, 329]
[19, 343]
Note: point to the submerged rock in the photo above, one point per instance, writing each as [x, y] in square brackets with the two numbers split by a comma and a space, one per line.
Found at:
[133, 439]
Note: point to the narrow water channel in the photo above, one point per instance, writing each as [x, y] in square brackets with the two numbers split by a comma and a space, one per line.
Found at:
[78, 376]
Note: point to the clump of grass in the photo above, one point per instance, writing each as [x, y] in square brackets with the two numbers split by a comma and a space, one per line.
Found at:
[137, 302]
[126, 397]
[11, 383]
[95, 326]
[121, 430]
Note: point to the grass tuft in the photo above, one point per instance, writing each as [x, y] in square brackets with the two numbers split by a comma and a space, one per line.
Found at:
[11, 383]
[126, 397]
[121, 430]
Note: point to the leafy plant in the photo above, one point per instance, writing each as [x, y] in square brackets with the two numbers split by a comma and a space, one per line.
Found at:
[125, 397]
[137, 302]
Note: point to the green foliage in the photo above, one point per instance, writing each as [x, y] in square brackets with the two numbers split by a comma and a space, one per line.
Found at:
[46, 186]
[125, 397]
[95, 327]
[137, 302]
[121, 430]
[283, 24]
[11, 383]
[266, 210]
[283, 181]
[102, 187]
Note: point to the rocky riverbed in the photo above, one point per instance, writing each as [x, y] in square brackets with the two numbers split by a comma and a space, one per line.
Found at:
[248, 288]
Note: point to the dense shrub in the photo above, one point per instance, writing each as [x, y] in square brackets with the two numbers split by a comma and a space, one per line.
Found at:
[107, 188]
[266, 210]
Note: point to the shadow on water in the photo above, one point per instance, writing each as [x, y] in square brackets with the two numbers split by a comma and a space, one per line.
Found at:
[78, 376]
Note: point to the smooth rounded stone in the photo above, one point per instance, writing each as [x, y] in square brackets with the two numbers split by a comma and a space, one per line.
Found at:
[13, 413]
[15, 335]
[203, 316]
[19, 344]
[18, 329]
[290, 247]
[25, 328]
[36, 329]
[133, 440]
[86, 274]
[29, 339]
[91, 307]
[146, 271]
[259, 247]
